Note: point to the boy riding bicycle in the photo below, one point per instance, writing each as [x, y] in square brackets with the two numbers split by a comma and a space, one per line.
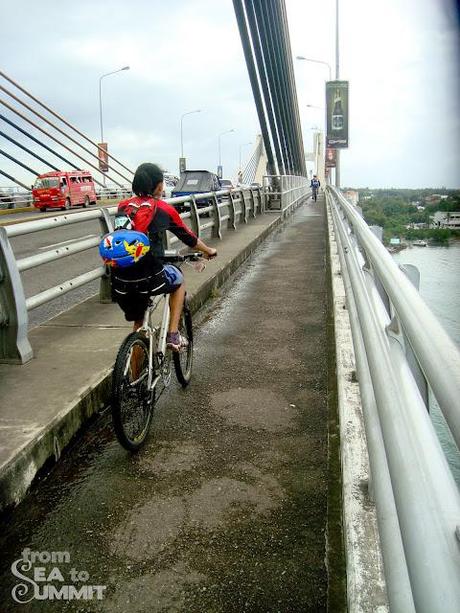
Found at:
[132, 286]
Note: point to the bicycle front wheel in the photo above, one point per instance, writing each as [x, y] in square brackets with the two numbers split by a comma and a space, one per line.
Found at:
[183, 359]
[132, 401]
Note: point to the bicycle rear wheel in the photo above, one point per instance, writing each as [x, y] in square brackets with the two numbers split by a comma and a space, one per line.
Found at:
[132, 401]
[183, 359]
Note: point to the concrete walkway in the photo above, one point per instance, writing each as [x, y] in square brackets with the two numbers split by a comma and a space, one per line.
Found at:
[225, 509]
[44, 402]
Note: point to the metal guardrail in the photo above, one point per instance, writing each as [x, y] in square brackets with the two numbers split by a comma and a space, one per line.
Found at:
[400, 347]
[12, 200]
[226, 209]
[285, 191]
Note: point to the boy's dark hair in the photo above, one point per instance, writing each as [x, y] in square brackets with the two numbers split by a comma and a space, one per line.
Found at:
[146, 178]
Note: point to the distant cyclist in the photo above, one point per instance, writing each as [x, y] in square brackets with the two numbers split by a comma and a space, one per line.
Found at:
[315, 185]
[132, 286]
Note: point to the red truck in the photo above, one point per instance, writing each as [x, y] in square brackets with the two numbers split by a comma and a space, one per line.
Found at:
[62, 190]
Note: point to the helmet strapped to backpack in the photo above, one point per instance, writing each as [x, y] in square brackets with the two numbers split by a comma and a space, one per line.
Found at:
[140, 211]
[123, 248]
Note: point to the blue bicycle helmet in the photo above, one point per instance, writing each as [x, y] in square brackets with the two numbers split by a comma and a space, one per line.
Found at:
[123, 248]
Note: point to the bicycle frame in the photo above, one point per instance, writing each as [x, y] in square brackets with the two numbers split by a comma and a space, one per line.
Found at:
[152, 331]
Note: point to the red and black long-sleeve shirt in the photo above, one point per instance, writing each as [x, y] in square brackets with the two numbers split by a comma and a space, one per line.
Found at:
[154, 217]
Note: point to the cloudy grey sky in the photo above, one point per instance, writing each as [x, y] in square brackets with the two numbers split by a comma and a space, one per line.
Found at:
[400, 56]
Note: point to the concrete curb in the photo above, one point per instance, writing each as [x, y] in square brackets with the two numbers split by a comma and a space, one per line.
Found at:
[366, 587]
[45, 448]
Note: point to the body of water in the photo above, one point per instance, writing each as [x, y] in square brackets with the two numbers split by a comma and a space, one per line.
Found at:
[440, 288]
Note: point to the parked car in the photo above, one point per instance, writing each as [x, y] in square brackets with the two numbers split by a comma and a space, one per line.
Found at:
[12, 198]
[6, 200]
[226, 184]
[170, 182]
[196, 182]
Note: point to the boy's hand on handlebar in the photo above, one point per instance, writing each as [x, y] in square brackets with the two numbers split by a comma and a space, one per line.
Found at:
[211, 253]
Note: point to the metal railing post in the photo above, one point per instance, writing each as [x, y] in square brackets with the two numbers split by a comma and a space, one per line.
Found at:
[413, 274]
[105, 285]
[217, 227]
[231, 209]
[253, 202]
[14, 343]
[244, 209]
[195, 217]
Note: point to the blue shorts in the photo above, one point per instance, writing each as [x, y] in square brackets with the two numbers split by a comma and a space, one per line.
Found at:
[173, 279]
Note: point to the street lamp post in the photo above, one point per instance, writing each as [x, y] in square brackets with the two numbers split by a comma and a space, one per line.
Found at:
[100, 104]
[219, 167]
[100, 96]
[317, 141]
[301, 57]
[318, 137]
[182, 164]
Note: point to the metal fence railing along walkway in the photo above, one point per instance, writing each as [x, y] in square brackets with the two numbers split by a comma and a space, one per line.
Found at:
[398, 345]
[285, 191]
[227, 209]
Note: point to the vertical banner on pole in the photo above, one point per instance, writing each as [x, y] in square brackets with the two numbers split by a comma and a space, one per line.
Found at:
[337, 114]
[102, 153]
[330, 157]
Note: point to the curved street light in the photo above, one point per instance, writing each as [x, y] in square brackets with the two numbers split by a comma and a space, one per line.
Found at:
[101, 151]
[308, 59]
[100, 95]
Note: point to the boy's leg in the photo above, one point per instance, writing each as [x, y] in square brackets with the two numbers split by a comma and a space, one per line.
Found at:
[176, 302]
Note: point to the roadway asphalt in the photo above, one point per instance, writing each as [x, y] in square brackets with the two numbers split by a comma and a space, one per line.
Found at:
[225, 508]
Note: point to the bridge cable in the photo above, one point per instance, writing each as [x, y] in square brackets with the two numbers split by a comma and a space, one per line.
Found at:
[63, 120]
[265, 36]
[283, 21]
[271, 46]
[245, 41]
[11, 123]
[263, 84]
[73, 140]
[5, 174]
[15, 142]
[53, 138]
[34, 172]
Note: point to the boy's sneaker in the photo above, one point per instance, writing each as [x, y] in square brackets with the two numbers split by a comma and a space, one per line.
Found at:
[175, 341]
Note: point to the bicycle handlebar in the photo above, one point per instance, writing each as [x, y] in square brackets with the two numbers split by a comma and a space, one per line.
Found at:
[186, 257]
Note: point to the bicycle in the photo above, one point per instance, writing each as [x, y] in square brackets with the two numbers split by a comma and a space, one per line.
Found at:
[143, 362]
